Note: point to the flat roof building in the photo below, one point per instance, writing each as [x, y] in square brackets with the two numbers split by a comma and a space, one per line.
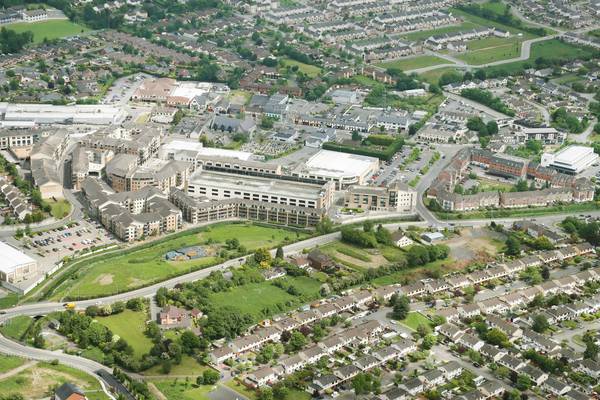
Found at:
[342, 168]
[220, 185]
[51, 114]
[15, 266]
[570, 160]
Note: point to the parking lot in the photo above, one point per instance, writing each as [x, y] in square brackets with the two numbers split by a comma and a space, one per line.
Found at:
[391, 170]
[53, 245]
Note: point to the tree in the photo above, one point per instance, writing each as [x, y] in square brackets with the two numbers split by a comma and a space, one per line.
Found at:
[383, 236]
[496, 337]
[324, 226]
[165, 367]
[190, 342]
[540, 323]
[279, 253]
[545, 273]
[365, 383]
[591, 348]
[523, 383]
[297, 341]
[513, 246]
[401, 307]
[265, 393]
[262, 255]
[210, 376]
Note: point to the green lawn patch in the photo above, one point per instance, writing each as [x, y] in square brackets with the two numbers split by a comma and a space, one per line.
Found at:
[146, 264]
[9, 300]
[181, 390]
[414, 319]
[264, 299]
[188, 367]
[421, 35]
[414, 62]
[8, 363]
[60, 208]
[54, 29]
[241, 389]
[16, 327]
[553, 49]
[310, 70]
[130, 326]
[487, 50]
[434, 75]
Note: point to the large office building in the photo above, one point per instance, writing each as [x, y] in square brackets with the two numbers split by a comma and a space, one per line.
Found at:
[15, 266]
[216, 185]
[397, 197]
[341, 168]
[570, 160]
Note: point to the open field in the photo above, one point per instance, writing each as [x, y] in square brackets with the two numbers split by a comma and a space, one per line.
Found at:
[53, 29]
[310, 70]
[9, 362]
[414, 319]
[16, 327]
[264, 299]
[39, 380]
[146, 264]
[525, 212]
[486, 50]
[434, 75]
[482, 22]
[188, 367]
[130, 326]
[421, 35]
[552, 49]
[181, 390]
[414, 62]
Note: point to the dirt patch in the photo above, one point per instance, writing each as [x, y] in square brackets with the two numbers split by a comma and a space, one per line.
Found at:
[135, 282]
[475, 245]
[377, 260]
[42, 380]
[104, 279]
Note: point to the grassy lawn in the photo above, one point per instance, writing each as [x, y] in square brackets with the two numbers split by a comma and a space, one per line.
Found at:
[130, 326]
[414, 319]
[310, 70]
[264, 299]
[60, 208]
[433, 76]
[54, 29]
[8, 363]
[146, 264]
[16, 327]
[188, 366]
[421, 35]
[550, 49]
[491, 49]
[241, 389]
[414, 62]
[525, 212]
[410, 274]
[488, 23]
[39, 381]
[9, 300]
[180, 390]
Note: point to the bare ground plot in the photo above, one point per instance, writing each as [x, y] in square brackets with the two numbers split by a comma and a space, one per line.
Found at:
[473, 245]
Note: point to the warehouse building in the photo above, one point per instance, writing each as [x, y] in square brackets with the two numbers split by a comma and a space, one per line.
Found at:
[570, 160]
[72, 114]
[15, 266]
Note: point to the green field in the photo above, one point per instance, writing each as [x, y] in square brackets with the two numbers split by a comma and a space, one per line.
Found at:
[482, 22]
[146, 264]
[552, 49]
[310, 70]
[16, 327]
[414, 319]
[60, 208]
[55, 29]
[39, 381]
[486, 50]
[433, 76]
[130, 326]
[422, 35]
[188, 367]
[414, 63]
[181, 390]
[264, 299]
[9, 362]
